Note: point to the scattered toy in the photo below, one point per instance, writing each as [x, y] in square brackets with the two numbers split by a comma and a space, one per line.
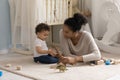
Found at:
[60, 56]
[1, 73]
[116, 62]
[61, 67]
[112, 61]
[18, 67]
[99, 62]
[53, 66]
[107, 62]
[8, 65]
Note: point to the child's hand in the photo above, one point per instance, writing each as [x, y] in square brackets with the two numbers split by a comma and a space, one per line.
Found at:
[51, 52]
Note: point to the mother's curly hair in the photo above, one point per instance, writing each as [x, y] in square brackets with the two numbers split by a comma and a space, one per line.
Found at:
[75, 23]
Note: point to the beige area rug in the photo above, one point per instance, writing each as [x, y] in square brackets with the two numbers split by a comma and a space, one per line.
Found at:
[43, 72]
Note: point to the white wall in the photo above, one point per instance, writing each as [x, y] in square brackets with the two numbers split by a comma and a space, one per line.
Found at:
[5, 32]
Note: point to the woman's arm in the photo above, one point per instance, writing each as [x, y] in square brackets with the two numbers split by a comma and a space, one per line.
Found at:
[94, 53]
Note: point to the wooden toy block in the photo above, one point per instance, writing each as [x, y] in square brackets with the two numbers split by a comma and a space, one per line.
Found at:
[60, 56]
[53, 66]
[8, 65]
[18, 67]
[112, 61]
[116, 62]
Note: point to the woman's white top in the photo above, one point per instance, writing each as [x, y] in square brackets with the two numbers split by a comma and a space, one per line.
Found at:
[86, 47]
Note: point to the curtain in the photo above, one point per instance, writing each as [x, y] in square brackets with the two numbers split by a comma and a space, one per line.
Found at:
[42, 10]
[23, 22]
[26, 14]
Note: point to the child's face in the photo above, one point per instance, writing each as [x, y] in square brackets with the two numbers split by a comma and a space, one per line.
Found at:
[43, 35]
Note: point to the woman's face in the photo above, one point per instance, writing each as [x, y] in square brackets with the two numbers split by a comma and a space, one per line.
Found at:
[67, 32]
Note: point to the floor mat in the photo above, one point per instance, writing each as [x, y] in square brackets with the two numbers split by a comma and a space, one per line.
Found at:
[43, 72]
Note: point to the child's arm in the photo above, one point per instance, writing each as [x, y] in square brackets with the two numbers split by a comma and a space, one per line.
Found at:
[40, 51]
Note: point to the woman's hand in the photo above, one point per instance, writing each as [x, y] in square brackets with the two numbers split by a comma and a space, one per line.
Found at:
[69, 60]
[72, 60]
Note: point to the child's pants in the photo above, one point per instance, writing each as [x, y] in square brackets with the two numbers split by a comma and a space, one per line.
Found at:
[46, 59]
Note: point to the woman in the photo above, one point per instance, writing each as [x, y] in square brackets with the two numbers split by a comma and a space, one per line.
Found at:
[77, 45]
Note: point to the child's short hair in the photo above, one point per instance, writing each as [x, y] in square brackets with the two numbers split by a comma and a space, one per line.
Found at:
[42, 27]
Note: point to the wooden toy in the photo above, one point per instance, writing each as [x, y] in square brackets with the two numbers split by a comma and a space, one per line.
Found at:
[116, 62]
[112, 61]
[53, 66]
[62, 61]
[8, 65]
[61, 67]
[18, 67]
[60, 56]
[99, 62]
